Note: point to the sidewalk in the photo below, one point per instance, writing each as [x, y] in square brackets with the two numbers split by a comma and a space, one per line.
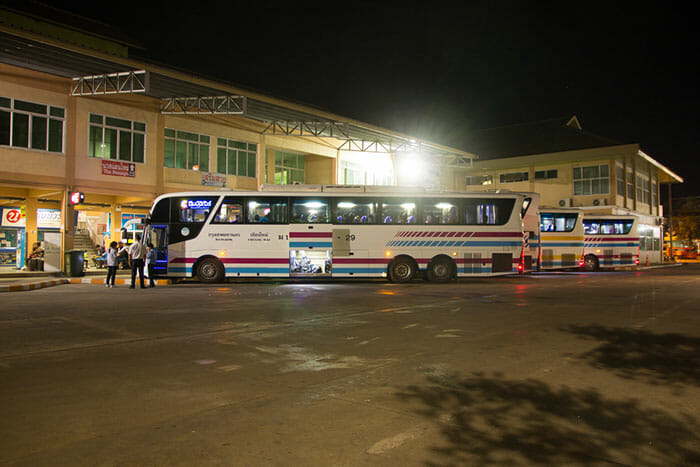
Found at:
[18, 281]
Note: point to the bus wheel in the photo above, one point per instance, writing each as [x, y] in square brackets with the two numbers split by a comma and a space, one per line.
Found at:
[402, 269]
[210, 271]
[590, 263]
[441, 269]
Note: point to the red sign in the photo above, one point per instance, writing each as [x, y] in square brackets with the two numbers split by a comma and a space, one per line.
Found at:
[13, 215]
[118, 168]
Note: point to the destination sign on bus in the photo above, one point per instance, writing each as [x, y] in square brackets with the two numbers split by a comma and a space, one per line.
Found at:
[196, 204]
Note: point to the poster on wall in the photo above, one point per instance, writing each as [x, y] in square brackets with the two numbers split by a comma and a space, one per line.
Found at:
[52, 252]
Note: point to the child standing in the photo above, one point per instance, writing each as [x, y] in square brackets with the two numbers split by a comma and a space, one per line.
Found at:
[111, 264]
[151, 263]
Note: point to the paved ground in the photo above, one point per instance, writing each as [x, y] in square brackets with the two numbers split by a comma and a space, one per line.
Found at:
[580, 369]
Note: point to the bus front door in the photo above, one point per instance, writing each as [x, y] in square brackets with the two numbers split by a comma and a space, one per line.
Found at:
[158, 235]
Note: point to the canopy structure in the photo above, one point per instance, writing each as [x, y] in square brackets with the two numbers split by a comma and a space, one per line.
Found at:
[97, 73]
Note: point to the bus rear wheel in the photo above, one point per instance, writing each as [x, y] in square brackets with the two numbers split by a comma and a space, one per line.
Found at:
[590, 263]
[441, 269]
[402, 270]
[210, 271]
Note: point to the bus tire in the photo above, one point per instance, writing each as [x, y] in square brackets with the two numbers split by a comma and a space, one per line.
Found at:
[402, 269]
[210, 270]
[590, 263]
[441, 269]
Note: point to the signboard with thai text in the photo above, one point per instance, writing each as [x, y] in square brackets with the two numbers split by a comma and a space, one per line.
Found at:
[210, 179]
[118, 168]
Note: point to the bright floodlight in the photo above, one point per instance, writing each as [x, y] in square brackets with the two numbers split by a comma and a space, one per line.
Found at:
[411, 169]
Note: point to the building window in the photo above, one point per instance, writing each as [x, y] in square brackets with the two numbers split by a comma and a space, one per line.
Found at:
[630, 184]
[514, 177]
[236, 157]
[185, 150]
[643, 190]
[546, 174]
[32, 126]
[116, 138]
[592, 180]
[479, 180]
[620, 174]
[289, 168]
[654, 194]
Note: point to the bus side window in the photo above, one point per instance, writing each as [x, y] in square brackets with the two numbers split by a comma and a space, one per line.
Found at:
[310, 211]
[266, 210]
[230, 212]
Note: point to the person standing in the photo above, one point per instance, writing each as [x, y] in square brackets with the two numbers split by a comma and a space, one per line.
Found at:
[137, 253]
[111, 264]
[151, 256]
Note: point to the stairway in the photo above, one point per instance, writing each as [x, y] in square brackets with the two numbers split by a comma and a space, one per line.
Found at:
[82, 241]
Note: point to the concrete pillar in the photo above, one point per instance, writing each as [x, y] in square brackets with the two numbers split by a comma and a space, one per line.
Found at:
[334, 168]
[31, 227]
[115, 227]
[160, 156]
[262, 157]
[270, 165]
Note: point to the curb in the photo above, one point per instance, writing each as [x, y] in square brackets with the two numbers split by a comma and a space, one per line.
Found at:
[32, 286]
[101, 281]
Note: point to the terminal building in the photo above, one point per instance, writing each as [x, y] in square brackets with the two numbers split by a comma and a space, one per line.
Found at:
[570, 167]
[81, 112]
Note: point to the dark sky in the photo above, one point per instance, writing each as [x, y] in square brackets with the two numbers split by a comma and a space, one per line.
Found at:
[436, 71]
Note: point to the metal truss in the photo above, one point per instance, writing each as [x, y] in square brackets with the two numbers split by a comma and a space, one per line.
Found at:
[327, 129]
[391, 146]
[224, 105]
[127, 82]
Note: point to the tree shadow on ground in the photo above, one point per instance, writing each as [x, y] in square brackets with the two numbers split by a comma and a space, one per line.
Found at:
[637, 354]
[494, 421]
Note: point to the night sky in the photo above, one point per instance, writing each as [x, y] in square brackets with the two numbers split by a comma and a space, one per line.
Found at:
[430, 70]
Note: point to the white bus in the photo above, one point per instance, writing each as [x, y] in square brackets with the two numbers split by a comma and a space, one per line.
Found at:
[610, 241]
[561, 238]
[336, 231]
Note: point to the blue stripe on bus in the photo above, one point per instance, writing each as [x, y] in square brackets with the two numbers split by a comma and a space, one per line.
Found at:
[310, 244]
[359, 270]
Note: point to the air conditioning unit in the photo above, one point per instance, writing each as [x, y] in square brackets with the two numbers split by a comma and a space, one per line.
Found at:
[565, 203]
[600, 202]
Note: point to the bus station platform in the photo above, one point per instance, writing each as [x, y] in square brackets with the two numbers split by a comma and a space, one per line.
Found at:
[18, 281]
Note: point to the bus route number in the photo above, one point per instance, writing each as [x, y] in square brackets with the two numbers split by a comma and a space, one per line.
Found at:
[350, 237]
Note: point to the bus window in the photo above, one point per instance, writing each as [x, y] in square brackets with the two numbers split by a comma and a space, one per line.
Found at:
[230, 212]
[481, 211]
[439, 212]
[607, 226]
[161, 211]
[267, 210]
[310, 211]
[354, 211]
[191, 210]
[558, 222]
[399, 212]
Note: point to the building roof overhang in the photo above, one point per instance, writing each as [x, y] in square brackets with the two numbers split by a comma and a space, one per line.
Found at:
[97, 73]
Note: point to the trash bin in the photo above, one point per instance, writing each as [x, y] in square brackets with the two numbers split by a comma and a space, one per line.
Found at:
[75, 263]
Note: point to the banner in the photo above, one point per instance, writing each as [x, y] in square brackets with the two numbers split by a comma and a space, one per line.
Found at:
[52, 252]
[118, 168]
[45, 218]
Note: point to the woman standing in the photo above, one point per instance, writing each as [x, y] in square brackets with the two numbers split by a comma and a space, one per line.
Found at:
[111, 264]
